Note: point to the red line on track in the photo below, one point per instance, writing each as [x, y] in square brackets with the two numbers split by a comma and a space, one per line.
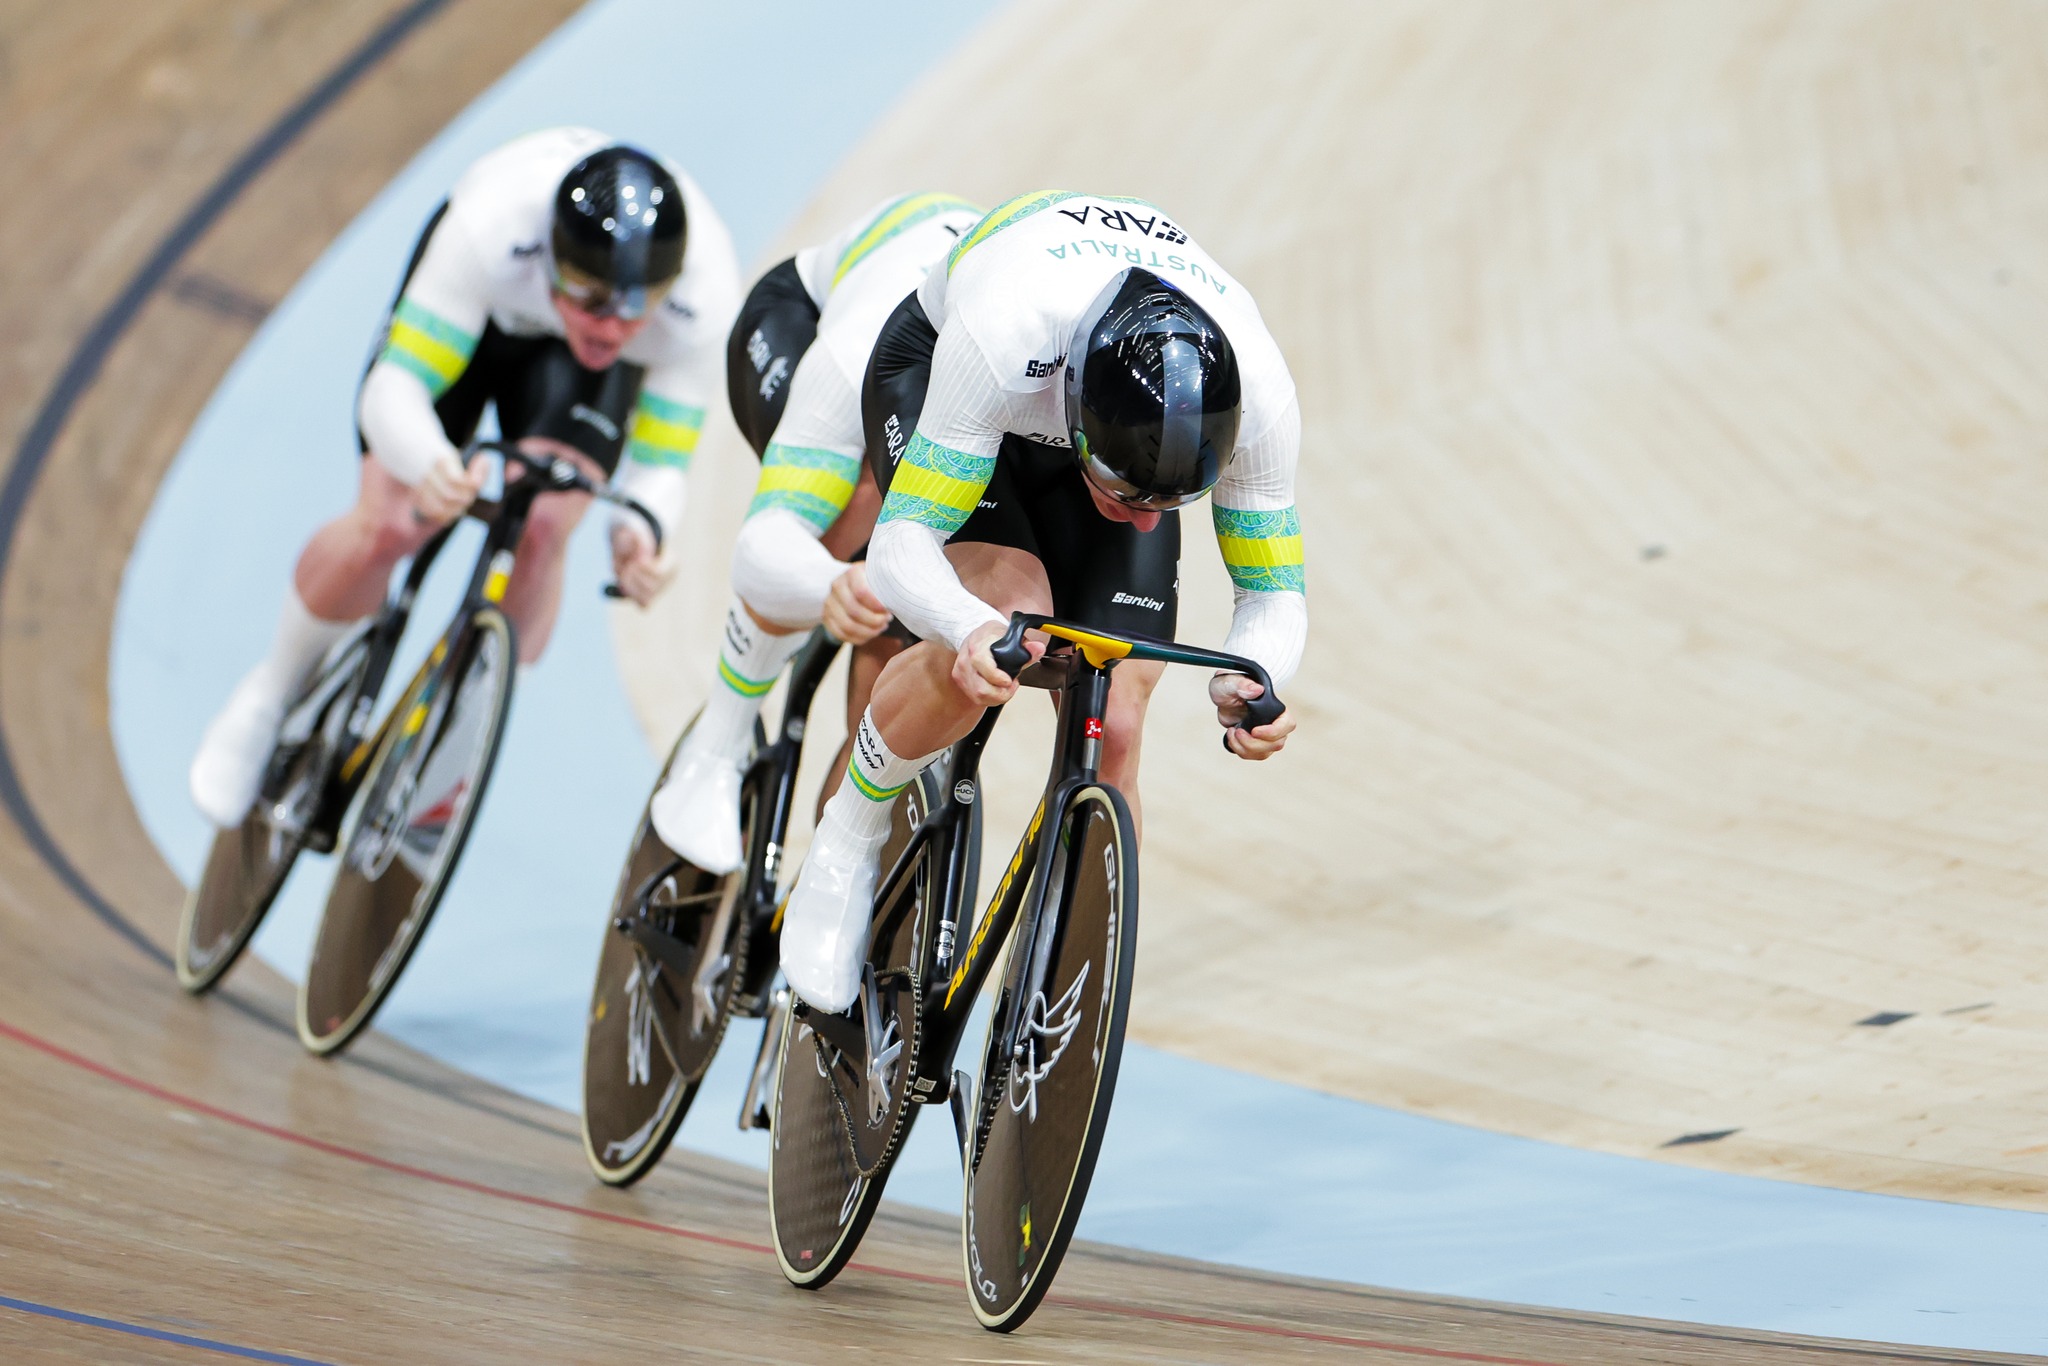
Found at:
[357, 1155]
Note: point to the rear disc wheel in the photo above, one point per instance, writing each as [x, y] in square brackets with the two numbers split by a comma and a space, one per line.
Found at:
[654, 1024]
[823, 1184]
[246, 866]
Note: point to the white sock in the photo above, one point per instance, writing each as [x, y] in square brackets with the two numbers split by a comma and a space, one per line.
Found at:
[749, 662]
[301, 642]
[875, 777]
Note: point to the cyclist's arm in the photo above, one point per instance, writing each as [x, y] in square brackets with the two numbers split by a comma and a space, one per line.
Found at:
[808, 475]
[433, 333]
[661, 439]
[1260, 536]
[687, 372]
[941, 478]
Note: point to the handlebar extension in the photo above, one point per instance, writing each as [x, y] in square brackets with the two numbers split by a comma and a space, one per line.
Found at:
[1011, 655]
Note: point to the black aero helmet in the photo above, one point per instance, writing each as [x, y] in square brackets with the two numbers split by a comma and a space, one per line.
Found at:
[1152, 393]
[619, 232]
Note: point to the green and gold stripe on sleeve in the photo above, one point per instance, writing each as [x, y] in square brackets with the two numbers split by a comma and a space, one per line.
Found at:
[814, 484]
[900, 216]
[1002, 216]
[937, 486]
[429, 346]
[1262, 550]
[663, 432]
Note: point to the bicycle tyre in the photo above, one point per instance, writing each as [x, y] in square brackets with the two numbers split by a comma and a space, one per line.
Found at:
[1040, 1128]
[627, 1123]
[392, 876]
[819, 1200]
[246, 866]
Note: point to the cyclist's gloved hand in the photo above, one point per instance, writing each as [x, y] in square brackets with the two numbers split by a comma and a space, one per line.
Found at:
[448, 489]
[1230, 692]
[853, 613]
[975, 672]
[640, 573]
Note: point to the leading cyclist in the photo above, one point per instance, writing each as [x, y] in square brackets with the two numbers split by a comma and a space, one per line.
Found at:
[1074, 370]
[582, 287]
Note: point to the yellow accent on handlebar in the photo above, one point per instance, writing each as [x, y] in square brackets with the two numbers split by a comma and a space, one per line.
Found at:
[1097, 650]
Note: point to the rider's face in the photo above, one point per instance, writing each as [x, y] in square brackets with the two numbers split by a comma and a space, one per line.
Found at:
[596, 341]
[1141, 518]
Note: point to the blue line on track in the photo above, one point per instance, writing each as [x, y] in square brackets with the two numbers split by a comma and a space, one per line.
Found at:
[156, 1334]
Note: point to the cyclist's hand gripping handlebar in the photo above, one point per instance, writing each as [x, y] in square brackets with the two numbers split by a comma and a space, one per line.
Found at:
[553, 474]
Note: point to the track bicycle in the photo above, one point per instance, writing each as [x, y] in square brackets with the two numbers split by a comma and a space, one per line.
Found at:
[1063, 919]
[425, 768]
[440, 738]
[685, 950]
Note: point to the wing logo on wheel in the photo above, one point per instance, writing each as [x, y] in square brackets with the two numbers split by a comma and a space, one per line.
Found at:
[1046, 1032]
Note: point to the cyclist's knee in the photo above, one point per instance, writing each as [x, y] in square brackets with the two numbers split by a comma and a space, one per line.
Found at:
[394, 532]
[1123, 722]
[552, 519]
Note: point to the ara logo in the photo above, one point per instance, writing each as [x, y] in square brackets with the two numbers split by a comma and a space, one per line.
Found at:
[759, 352]
[525, 251]
[1039, 369]
[1153, 225]
[1133, 600]
[676, 306]
[584, 413]
[892, 433]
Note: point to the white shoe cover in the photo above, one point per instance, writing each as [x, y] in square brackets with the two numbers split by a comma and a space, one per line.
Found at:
[697, 811]
[825, 924]
[229, 766]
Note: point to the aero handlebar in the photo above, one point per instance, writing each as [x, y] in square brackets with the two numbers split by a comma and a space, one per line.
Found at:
[553, 474]
[1099, 647]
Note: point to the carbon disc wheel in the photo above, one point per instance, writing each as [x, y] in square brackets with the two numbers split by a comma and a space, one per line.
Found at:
[658, 1010]
[821, 1195]
[246, 866]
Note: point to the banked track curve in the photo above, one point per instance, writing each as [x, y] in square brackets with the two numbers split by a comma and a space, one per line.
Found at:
[179, 1170]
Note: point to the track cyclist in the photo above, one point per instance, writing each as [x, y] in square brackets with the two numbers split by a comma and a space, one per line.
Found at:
[796, 564]
[1071, 373]
[583, 288]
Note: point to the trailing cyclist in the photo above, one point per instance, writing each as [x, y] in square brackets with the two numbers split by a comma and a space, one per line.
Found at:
[581, 287]
[1071, 373]
[797, 560]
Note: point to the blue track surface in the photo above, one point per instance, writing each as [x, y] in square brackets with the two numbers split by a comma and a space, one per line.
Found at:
[1335, 1189]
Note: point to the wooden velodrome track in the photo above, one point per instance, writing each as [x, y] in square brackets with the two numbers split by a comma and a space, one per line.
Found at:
[178, 1170]
[1674, 379]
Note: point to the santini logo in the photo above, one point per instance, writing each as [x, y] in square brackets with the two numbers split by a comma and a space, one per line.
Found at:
[1039, 369]
[1133, 600]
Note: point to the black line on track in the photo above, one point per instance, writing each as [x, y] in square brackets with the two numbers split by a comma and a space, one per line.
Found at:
[82, 370]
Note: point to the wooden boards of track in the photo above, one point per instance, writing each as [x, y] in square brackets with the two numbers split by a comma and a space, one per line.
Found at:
[1674, 378]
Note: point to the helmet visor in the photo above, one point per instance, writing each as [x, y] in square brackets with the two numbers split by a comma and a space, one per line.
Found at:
[1113, 486]
[601, 298]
